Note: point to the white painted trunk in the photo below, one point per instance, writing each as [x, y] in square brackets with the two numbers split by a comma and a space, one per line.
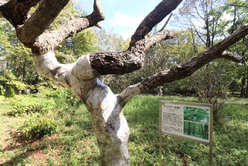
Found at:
[108, 121]
[109, 124]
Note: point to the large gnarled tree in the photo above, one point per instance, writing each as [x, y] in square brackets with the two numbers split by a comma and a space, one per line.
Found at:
[81, 77]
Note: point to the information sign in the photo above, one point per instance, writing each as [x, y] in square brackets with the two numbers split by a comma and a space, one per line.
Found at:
[189, 120]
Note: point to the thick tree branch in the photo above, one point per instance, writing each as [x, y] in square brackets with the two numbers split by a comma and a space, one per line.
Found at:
[48, 66]
[45, 14]
[50, 40]
[156, 16]
[127, 61]
[231, 56]
[15, 11]
[184, 70]
[117, 62]
[78, 76]
[236, 36]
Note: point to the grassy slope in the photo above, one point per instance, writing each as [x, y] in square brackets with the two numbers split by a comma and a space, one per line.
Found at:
[75, 144]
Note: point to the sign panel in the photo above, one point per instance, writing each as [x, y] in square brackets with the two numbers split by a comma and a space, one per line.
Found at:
[189, 120]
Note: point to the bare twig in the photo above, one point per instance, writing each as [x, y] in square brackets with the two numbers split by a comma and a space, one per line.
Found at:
[166, 23]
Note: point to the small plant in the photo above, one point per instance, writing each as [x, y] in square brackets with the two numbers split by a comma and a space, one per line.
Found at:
[38, 127]
[19, 109]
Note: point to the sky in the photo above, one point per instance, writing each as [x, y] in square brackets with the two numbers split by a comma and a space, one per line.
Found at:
[121, 16]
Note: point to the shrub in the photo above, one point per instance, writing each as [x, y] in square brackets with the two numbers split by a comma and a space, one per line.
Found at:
[11, 84]
[18, 85]
[22, 105]
[64, 98]
[19, 109]
[38, 127]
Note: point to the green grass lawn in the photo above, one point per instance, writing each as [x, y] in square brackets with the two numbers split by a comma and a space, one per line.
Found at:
[74, 142]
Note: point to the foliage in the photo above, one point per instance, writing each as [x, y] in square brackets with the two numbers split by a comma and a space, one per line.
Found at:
[37, 127]
[212, 83]
[80, 44]
[111, 42]
[64, 98]
[19, 109]
[24, 105]
[237, 9]
[18, 57]
[9, 92]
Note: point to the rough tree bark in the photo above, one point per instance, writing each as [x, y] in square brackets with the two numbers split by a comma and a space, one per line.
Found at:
[109, 123]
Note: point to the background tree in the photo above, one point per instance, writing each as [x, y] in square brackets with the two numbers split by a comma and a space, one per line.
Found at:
[237, 10]
[81, 77]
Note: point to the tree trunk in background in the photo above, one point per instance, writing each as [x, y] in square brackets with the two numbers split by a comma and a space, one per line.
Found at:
[216, 114]
[242, 92]
[160, 90]
[246, 89]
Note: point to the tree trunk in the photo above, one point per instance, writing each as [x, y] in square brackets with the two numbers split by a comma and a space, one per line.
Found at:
[109, 123]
